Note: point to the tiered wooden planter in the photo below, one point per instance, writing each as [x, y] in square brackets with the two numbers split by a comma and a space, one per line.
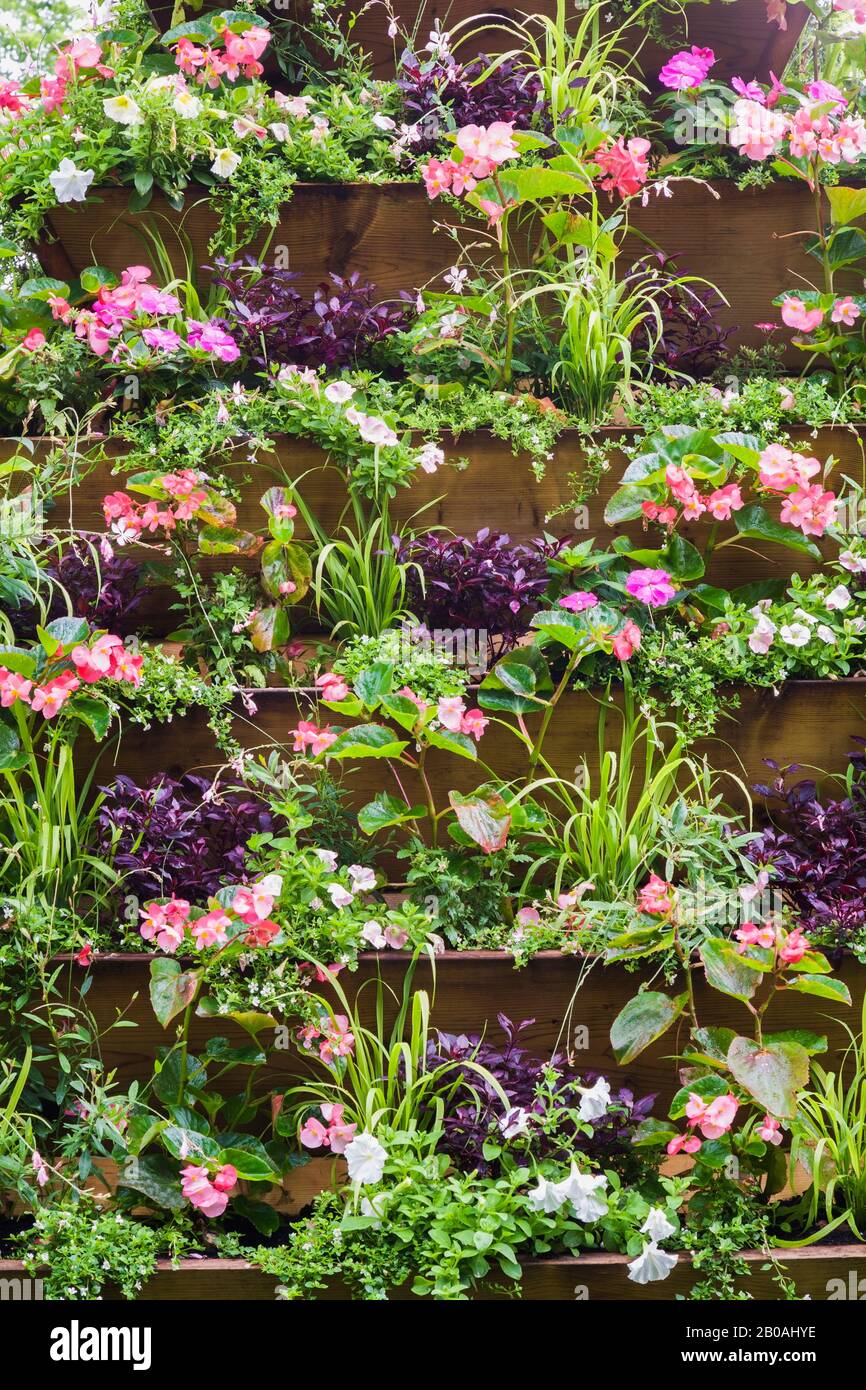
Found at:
[822, 1273]
[748, 244]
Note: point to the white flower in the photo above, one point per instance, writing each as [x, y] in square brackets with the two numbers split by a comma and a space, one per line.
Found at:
[547, 1196]
[514, 1123]
[657, 1226]
[340, 896]
[70, 183]
[272, 884]
[225, 163]
[855, 563]
[374, 1206]
[338, 392]
[363, 880]
[826, 634]
[795, 634]
[187, 105]
[280, 131]
[328, 858]
[372, 932]
[366, 1158]
[456, 278]
[594, 1103]
[123, 109]
[839, 598]
[384, 122]
[651, 1265]
[585, 1191]
[430, 458]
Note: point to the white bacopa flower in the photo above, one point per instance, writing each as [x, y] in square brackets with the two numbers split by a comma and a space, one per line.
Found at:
[585, 1191]
[187, 105]
[594, 1102]
[652, 1264]
[839, 598]
[225, 163]
[547, 1196]
[657, 1226]
[70, 183]
[123, 109]
[794, 634]
[366, 1158]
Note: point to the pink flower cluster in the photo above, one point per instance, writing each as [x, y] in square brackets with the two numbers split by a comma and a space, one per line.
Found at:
[333, 1036]
[656, 897]
[759, 131]
[308, 735]
[331, 1132]
[805, 319]
[453, 715]
[168, 922]
[482, 150]
[720, 503]
[239, 57]
[210, 1194]
[790, 947]
[624, 166]
[128, 519]
[687, 70]
[806, 506]
[106, 658]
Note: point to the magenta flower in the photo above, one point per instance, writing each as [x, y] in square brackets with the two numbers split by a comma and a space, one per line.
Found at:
[652, 587]
[579, 602]
[687, 70]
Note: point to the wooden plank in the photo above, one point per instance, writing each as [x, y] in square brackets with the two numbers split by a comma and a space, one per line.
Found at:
[572, 1003]
[593, 1277]
[388, 233]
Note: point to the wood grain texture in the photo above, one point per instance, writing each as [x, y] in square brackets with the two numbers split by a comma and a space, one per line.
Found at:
[742, 242]
[482, 483]
[742, 40]
[593, 1277]
[559, 993]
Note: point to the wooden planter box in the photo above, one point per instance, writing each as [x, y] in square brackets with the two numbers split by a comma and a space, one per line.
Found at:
[745, 243]
[483, 482]
[807, 722]
[819, 1273]
[571, 1001]
[739, 34]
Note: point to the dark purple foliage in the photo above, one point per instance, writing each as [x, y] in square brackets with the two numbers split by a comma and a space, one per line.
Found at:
[173, 839]
[101, 586]
[474, 1115]
[275, 325]
[692, 342]
[486, 584]
[818, 854]
[444, 95]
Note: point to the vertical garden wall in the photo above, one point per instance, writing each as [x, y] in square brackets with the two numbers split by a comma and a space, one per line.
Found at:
[432, 788]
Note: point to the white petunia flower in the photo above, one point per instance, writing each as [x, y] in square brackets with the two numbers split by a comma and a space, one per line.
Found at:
[839, 598]
[123, 109]
[585, 1191]
[594, 1102]
[70, 183]
[225, 163]
[657, 1226]
[795, 634]
[366, 1158]
[187, 105]
[547, 1196]
[651, 1265]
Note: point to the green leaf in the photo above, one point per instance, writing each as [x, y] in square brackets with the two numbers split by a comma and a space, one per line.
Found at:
[156, 1177]
[94, 713]
[12, 756]
[461, 744]
[171, 989]
[714, 1041]
[518, 682]
[94, 277]
[189, 1144]
[251, 1167]
[266, 1219]
[385, 810]
[485, 819]
[227, 540]
[707, 1087]
[772, 1074]
[814, 1043]
[727, 970]
[367, 741]
[822, 986]
[269, 628]
[755, 523]
[43, 287]
[374, 682]
[644, 1018]
[68, 631]
[846, 204]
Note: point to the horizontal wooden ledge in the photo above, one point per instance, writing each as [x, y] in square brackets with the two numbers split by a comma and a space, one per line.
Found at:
[818, 1271]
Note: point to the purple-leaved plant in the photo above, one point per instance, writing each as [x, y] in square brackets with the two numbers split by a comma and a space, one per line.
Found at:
[175, 836]
[692, 342]
[486, 584]
[91, 579]
[474, 1114]
[441, 94]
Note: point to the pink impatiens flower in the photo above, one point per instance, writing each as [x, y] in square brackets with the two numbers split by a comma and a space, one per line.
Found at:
[652, 587]
[578, 602]
[688, 69]
[626, 642]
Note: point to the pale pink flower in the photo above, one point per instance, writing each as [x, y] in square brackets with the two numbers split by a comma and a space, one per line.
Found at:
[578, 602]
[845, 311]
[796, 315]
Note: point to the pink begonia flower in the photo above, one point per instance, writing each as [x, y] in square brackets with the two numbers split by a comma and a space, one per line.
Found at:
[529, 917]
[796, 315]
[579, 602]
[724, 501]
[652, 587]
[624, 166]
[845, 311]
[210, 930]
[793, 947]
[409, 694]
[684, 1143]
[210, 1196]
[492, 144]
[450, 710]
[627, 642]
[473, 723]
[33, 340]
[308, 735]
[94, 662]
[313, 1133]
[155, 925]
[712, 1120]
[337, 1040]
[680, 483]
[13, 686]
[809, 509]
[437, 175]
[749, 934]
[50, 698]
[688, 69]
[333, 687]
[779, 468]
[656, 897]
[770, 1130]
[757, 131]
